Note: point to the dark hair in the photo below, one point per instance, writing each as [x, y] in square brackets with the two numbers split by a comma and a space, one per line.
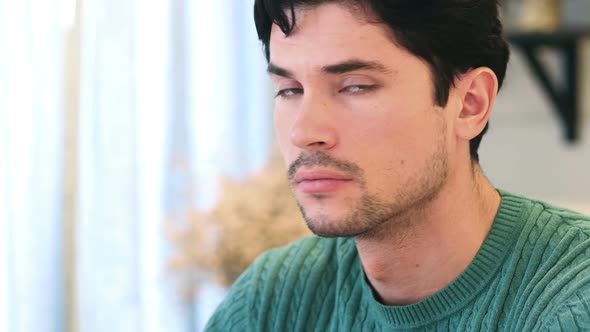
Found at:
[452, 36]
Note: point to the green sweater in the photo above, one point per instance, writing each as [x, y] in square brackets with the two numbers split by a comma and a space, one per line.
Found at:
[531, 274]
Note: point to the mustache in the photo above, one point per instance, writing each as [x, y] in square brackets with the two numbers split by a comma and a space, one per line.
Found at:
[323, 159]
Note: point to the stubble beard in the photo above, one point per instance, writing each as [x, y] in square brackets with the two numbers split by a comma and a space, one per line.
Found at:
[372, 215]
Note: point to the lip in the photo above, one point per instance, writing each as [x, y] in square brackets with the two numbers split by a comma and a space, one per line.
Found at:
[321, 181]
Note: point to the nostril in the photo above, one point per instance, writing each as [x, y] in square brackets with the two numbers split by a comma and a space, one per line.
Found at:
[311, 131]
[317, 144]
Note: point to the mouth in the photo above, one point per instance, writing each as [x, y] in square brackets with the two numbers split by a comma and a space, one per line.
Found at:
[321, 181]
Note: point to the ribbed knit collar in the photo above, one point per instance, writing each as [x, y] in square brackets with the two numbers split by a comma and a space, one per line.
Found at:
[471, 282]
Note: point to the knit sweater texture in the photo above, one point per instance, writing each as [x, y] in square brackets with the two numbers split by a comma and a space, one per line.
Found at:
[532, 273]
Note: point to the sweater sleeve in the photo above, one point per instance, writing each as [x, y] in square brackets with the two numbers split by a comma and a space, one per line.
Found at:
[234, 314]
[573, 315]
[278, 291]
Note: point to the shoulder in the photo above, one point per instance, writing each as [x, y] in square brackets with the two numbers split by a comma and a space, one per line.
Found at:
[572, 315]
[559, 238]
[563, 229]
[304, 253]
[553, 255]
[278, 280]
[570, 218]
[544, 219]
[300, 261]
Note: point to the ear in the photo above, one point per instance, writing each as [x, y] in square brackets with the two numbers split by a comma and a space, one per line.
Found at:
[477, 89]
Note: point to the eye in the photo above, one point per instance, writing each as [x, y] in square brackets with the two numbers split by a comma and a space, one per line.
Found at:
[356, 89]
[290, 92]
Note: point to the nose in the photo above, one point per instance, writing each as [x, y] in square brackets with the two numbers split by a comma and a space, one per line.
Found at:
[314, 127]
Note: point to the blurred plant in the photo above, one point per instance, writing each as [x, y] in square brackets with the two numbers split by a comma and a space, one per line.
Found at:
[541, 15]
[532, 15]
[252, 215]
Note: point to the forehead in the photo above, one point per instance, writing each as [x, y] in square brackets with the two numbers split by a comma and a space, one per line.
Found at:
[328, 31]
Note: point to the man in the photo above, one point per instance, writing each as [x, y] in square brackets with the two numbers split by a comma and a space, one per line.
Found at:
[380, 108]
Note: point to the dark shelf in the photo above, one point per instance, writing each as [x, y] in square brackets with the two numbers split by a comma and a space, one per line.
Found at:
[565, 98]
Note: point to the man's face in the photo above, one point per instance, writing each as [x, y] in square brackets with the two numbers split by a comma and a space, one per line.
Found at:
[356, 122]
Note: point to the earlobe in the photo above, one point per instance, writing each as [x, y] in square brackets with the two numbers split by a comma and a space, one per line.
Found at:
[479, 88]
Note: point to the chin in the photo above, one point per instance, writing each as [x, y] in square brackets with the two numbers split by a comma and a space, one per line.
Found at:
[335, 226]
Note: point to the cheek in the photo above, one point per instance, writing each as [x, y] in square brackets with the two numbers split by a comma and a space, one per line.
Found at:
[392, 144]
[279, 127]
[282, 126]
[383, 128]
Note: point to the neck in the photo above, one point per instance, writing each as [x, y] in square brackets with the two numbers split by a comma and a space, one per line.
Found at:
[422, 252]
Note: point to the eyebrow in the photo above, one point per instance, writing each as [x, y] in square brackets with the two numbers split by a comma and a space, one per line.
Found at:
[337, 68]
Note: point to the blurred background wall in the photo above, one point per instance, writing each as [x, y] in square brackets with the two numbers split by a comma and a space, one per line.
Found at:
[525, 151]
[118, 117]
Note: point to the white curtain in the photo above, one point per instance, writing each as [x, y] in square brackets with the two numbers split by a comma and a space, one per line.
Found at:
[112, 123]
[125, 66]
[230, 95]
[230, 102]
[31, 160]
